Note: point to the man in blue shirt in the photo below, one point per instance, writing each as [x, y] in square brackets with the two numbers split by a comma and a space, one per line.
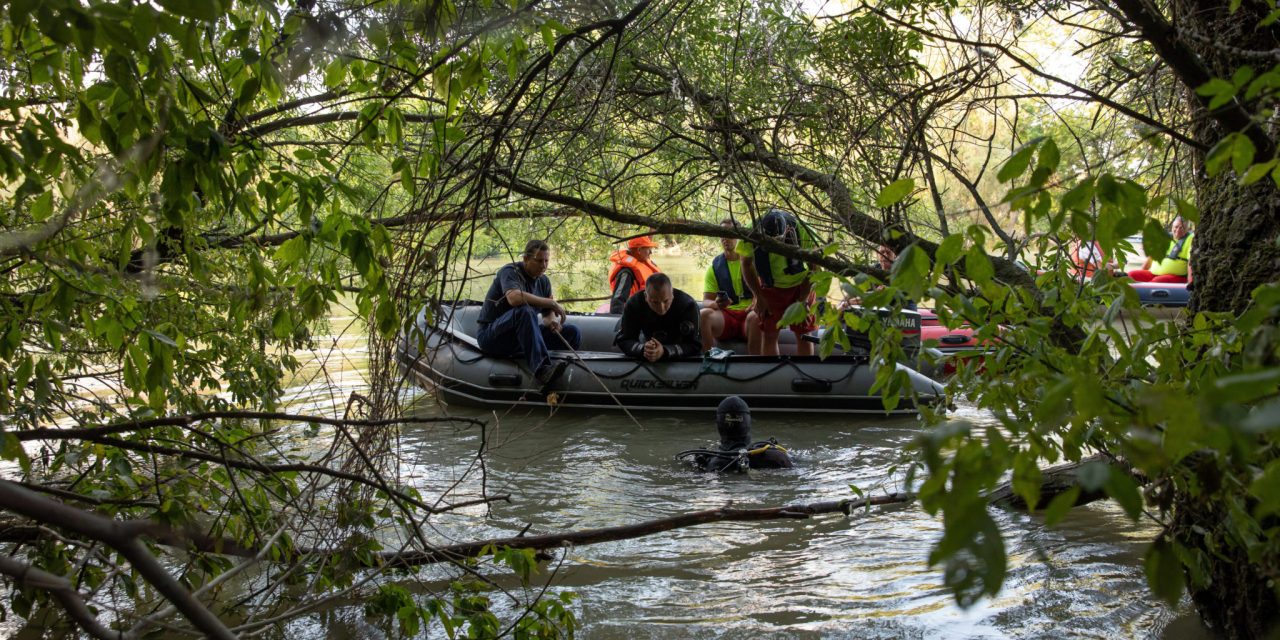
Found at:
[520, 317]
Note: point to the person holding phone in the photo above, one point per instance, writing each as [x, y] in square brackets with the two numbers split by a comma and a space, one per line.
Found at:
[725, 299]
[659, 323]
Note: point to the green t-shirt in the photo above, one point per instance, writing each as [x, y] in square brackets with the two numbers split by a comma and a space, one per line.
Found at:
[778, 264]
[711, 285]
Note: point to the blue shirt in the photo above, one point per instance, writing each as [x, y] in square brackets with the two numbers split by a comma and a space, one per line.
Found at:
[511, 276]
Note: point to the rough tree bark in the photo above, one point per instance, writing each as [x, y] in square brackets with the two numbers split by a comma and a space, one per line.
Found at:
[1235, 250]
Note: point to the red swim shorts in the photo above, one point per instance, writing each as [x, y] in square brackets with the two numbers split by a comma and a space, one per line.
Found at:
[735, 324]
[778, 301]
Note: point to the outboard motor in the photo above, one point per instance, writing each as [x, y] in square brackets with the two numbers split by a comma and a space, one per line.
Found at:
[906, 321]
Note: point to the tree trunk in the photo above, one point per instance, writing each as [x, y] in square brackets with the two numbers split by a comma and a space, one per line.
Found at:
[1235, 247]
[1235, 250]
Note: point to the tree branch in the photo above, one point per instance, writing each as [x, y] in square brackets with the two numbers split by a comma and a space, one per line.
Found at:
[72, 601]
[123, 537]
[1187, 66]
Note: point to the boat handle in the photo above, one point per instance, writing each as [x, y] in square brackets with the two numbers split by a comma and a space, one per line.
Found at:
[1160, 293]
[505, 379]
[810, 385]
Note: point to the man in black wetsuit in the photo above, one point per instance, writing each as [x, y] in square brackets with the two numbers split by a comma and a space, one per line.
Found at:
[737, 452]
[659, 323]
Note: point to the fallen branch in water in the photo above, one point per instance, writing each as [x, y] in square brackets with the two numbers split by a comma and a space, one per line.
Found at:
[650, 527]
[1055, 481]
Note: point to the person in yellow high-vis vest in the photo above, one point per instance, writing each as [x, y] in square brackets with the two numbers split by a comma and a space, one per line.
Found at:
[1174, 267]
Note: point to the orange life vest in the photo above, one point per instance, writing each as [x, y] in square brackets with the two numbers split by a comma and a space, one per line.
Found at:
[641, 270]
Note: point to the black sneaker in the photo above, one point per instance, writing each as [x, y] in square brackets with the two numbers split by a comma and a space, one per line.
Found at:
[549, 373]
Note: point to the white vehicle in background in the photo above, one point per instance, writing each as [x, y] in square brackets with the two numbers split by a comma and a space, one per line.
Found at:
[1130, 260]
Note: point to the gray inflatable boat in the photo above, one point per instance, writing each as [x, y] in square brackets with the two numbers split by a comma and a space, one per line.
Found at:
[441, 353]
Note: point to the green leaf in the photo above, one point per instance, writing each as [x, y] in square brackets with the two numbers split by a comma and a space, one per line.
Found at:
[42, 207]
[335, 73]
[1215, 87]
[1266, 488]
[910, 265]
[282, 324]
[1246, 387]
[548, 35]
[1124, 489]
[1164, 572]
[11, 447]
[1093, 475]
[827, 343]
[1079, 196]
[977, 265]
[204, 10]
[949, 249]
[1263, 419]
[1241, 77]
[1018, 162]
[1060, 505]
[293, 250]
[794, 314]
[1258, 172]
[1188, 210]
[1242, 153]
[1216, 160]
[895, 192]
[1155, 240]
[1049, 156]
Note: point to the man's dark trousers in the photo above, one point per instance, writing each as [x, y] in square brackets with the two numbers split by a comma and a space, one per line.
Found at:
[519, 331]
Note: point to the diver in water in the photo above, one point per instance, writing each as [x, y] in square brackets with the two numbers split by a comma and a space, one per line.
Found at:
[737, 452]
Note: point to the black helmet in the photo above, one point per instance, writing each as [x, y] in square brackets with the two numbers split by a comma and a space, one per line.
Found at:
[776, 222]
[733, 420]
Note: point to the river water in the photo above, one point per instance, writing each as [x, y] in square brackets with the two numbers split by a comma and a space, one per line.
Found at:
[861, 576]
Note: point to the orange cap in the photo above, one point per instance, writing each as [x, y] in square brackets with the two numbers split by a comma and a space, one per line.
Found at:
[642, 241]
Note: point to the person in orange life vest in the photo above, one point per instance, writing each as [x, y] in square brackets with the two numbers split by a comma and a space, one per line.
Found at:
[1174, 267]
[630, 269]
[725, 299]
[777, 282]
[1087, 258]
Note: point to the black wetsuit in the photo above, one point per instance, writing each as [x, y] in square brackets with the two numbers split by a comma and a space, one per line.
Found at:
[677, 330]
[772, 457]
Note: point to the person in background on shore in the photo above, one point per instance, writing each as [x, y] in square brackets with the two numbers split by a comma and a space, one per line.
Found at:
[630, 270]
[659, 323]
[521, 317]
[885, 256]
[776, 282]
[726, 301]
[1087, 258]
[1175, 266]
